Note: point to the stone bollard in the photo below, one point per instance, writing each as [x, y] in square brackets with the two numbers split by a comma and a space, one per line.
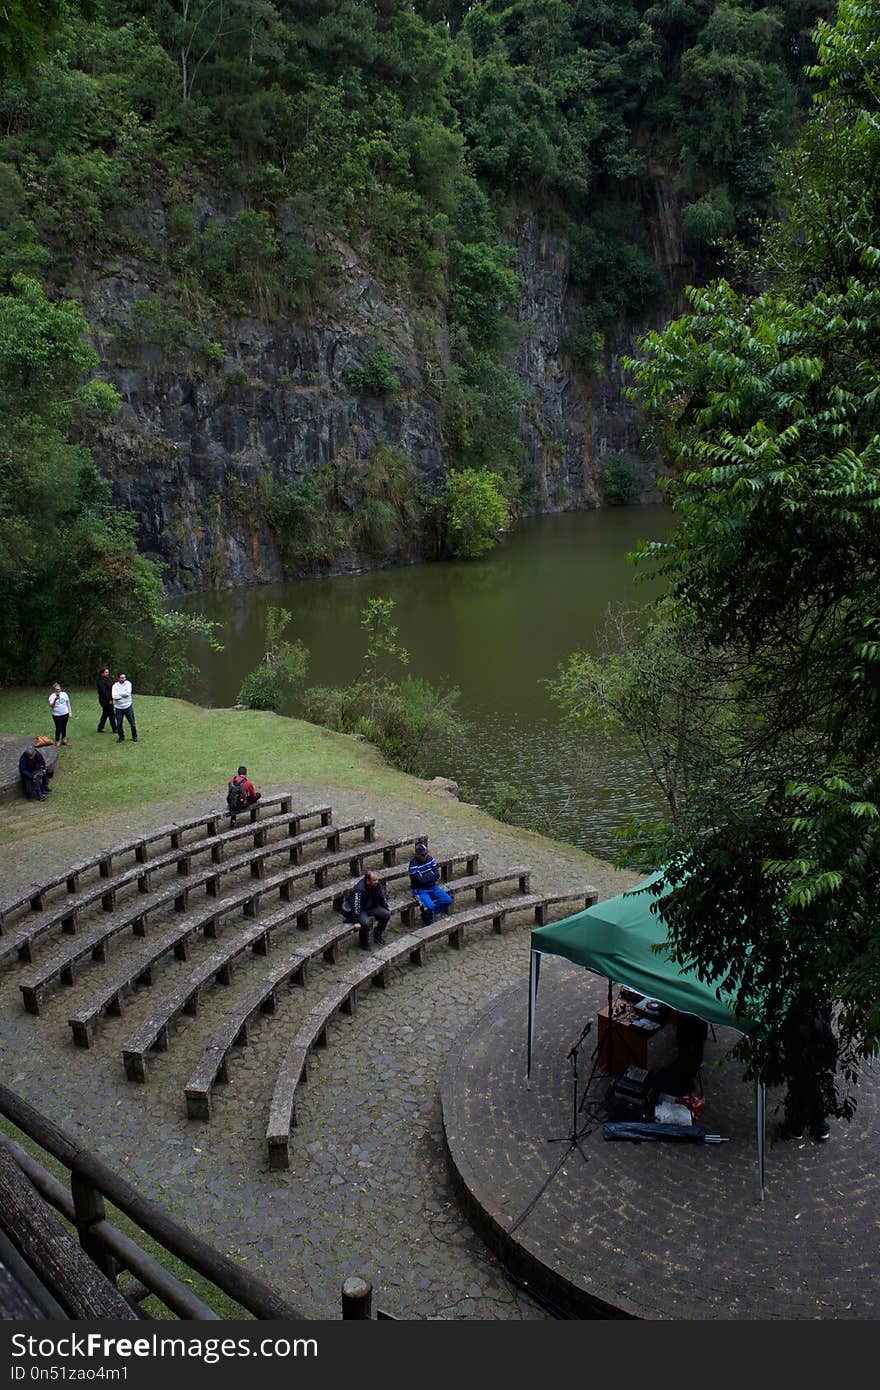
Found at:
[357, 1299]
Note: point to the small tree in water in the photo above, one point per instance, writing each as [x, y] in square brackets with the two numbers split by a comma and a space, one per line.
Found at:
[280, 675]
[376, 619]
[412, 722]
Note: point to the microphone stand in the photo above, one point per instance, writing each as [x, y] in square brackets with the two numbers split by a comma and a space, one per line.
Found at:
[573, 1138]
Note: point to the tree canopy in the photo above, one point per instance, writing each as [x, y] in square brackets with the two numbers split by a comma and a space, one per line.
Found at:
[766, 397]
[73, 589]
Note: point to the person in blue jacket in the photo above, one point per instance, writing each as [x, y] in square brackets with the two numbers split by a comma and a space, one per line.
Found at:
[424, 880]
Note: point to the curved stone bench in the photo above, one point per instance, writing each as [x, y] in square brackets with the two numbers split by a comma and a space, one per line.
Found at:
[153, 1033]
[109, 1001]
[33, 896]
[314, 1030]
[66, 915]
[233, 1029]
[248, 898]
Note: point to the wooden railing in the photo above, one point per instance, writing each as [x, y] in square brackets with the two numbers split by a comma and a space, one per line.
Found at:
[91, 1183]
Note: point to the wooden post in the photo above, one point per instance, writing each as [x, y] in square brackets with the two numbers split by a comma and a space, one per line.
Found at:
[357, 1299]
[88, 1205]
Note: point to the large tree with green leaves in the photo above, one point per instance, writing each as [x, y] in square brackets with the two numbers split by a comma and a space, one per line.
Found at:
[769, 405]
[74, 592]
[26, 24]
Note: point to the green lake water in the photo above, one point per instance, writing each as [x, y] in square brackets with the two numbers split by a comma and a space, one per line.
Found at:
[497, 628]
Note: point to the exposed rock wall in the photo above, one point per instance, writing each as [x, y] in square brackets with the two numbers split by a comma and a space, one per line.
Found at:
[194, 439]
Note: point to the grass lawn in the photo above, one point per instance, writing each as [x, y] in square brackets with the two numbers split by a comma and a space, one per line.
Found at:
[184, 749]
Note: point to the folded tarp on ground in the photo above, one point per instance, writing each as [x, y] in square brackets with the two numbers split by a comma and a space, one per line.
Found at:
[652, 1129]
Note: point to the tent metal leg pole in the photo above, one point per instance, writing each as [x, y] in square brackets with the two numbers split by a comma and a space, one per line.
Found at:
[534, 973]
[610, 1067]
[761, 1130]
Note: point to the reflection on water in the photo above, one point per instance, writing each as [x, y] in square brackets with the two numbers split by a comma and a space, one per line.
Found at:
[497, 628]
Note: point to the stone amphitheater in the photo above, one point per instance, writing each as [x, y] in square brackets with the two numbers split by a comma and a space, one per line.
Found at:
[188, 1001]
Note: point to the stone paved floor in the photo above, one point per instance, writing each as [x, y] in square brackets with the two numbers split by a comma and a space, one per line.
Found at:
[368, 1190]
[659, 1230]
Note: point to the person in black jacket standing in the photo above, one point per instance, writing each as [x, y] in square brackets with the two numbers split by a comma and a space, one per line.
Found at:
[811, 1093]
[364, 902]
[105, 699]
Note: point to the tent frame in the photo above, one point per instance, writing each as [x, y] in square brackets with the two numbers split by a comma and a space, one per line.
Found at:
[760, 1088]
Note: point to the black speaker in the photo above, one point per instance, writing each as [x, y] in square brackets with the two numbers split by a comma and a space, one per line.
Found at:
[630, 1097]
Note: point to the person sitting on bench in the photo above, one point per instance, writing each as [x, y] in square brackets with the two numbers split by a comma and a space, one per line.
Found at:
[364, 902]
[241, 794]
[424, 880]
[34, 775]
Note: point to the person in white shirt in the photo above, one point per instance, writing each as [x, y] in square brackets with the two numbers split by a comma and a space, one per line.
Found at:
[59, 703]
[123, 707]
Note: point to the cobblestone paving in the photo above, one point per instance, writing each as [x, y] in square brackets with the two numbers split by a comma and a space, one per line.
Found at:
[659, 1230]
[368, 1190]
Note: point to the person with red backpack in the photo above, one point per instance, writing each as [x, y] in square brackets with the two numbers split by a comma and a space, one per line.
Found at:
[241, 794]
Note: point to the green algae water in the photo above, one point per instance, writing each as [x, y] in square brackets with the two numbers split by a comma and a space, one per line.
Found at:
[497, 628]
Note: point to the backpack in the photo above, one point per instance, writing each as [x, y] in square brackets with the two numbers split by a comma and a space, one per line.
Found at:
[235, 798]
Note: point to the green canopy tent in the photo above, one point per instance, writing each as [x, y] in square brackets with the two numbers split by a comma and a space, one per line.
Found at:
[616, 938]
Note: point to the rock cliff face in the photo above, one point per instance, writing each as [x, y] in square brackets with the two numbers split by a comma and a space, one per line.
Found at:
[196, 440]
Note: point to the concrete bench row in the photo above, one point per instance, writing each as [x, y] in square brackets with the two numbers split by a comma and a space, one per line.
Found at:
[110, 997]
[153, 1032]
[314, 1030]
[34, 895]
[178, 890]
[67, 914]
[262, 999]
[93, 944]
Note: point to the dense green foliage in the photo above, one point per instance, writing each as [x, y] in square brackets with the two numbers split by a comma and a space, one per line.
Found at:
[475, 511]
[378, 377]
[221, 142]
[384, 119]
[769, 403]
[74, 592]
[620, 482]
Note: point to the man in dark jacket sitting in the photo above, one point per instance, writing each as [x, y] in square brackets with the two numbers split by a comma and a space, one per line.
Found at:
[34, 775]
[424, 880]
[364, 901]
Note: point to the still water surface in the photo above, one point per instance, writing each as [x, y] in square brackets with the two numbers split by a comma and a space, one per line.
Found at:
[497, 628]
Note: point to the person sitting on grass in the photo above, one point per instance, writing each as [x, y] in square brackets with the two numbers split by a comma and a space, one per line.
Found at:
[241, 794]
[34, 775]
[424, 880]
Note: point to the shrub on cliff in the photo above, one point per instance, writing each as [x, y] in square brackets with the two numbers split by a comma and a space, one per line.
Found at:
[621, 482]
[378, 377]
[475, 511]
